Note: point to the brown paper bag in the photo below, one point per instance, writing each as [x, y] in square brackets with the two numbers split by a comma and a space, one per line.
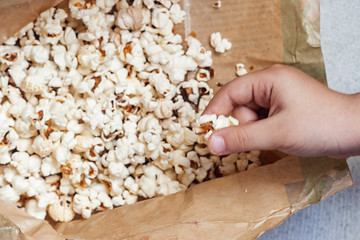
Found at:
[240, 206]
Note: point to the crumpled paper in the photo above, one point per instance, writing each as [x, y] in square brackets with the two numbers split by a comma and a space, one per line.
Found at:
[240, 206]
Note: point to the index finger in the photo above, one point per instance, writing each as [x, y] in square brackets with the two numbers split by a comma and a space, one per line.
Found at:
[251, 88]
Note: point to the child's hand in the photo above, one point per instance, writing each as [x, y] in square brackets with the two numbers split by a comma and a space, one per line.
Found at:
[302, 116]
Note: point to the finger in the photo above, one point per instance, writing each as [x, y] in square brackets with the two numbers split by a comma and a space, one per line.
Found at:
[252, 89]
[339, 156]
[260, 135]
[253, 106]
[244, 115]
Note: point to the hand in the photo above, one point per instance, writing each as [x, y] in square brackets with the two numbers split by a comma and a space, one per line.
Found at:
[302, 116]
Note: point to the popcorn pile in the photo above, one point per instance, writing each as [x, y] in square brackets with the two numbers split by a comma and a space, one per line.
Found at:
[97, 111]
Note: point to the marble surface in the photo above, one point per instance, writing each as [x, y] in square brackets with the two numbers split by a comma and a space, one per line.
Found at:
[338, 217]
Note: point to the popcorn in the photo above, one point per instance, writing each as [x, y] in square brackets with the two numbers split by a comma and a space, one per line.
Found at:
[82, 205]
[7, 193]
[162, 85]
[118, 169]
[240, 69]
[149, 3]
[62, 210]
[82, 9]
[157, 55]
[148, 186]
[69, 37]
[186, 114]
[176, 14]
[131, 185]
[9, 55]
[160, 17]
[219, 44]
[129, 198]
[130, 18]
[133, 54]
[58, 52]
[90, 170]
[180, 162]
[89, 56]
[227, 169]
[17, 74]
[201, 174]
[79, 172]
[66, 187]
[176, 135]
[187, 178]
[209, 122]
[46, 198]
[105, 201]
[83, 143]
[37, 186]
[166, 3]
[26, 165]
[99, 109]
[198, 52]
[52, 32]
[9, 173]
[37, 53]
[4, 155]
[52, 183]
[242, 164]
[32, 208]
[34, 84]
[20, 184]
[42, 146]
[203, 75]
[177, 68]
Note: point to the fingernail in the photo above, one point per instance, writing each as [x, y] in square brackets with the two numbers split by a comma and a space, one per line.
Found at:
[218, 144]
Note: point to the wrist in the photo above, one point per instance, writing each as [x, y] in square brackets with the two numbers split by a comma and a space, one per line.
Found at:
[350, 126]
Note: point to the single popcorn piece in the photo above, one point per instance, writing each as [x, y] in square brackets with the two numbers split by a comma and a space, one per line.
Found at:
[219, 44]
[62, 209]
[8, 193]
[203, 75]
[207, 123]
[130, 18]
[32, 208]
[240, 69]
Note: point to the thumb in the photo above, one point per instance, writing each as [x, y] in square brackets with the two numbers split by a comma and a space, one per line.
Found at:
[260, 135]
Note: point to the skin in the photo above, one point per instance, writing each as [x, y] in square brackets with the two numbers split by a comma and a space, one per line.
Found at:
[283, 108]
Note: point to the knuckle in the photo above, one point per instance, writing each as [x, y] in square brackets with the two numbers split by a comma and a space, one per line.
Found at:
[276, 68]
[279, 68]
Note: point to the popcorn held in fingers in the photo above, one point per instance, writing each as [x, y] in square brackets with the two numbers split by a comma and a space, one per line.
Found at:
[98, 109]
[220, 44]
[207, 123]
